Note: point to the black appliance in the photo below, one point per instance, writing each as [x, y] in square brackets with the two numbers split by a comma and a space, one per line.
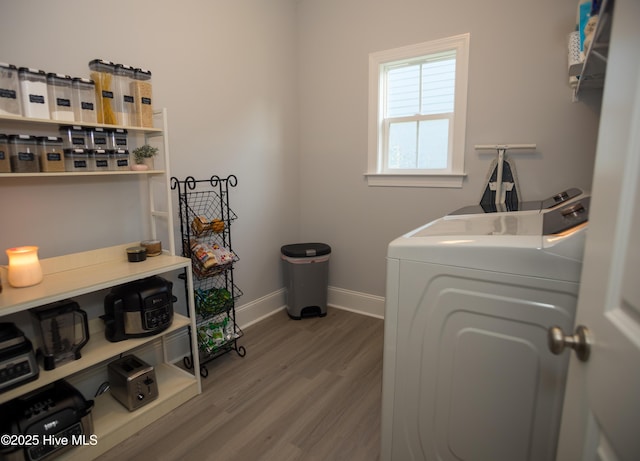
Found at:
[137, 309]
[41, 420]
[17, 361]
[63, 329]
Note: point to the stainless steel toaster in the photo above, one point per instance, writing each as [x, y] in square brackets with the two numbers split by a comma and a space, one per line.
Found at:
[132, 382]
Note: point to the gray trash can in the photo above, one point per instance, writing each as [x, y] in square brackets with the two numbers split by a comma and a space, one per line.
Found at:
[306, 276]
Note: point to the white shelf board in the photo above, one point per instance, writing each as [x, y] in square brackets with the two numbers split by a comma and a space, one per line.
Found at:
[42, 174]
[112, 422]
[81, 273]
[96, 351]
[22, 121]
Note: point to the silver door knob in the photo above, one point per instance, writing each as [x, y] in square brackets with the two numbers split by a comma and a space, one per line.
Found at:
[579, 342]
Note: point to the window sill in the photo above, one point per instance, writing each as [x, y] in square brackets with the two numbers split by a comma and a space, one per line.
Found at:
[448, 180]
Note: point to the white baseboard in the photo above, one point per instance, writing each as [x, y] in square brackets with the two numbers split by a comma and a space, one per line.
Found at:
[354, 301]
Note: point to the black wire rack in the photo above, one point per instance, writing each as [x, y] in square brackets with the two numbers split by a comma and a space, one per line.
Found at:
[205, 227]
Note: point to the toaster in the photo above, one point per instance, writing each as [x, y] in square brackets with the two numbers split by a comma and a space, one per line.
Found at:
[132, 382]
[18, 363]
[137, 309]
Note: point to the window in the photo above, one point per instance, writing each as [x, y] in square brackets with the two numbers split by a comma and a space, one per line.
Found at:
[417, 114]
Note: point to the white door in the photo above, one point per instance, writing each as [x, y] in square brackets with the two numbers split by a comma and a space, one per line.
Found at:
[601, 419]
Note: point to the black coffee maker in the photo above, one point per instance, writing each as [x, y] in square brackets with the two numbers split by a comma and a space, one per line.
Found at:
[63, 329]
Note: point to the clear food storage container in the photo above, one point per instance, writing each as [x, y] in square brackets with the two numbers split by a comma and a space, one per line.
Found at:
[120, 160]
[51, 153]
[118, 139]
[84, 100]
[98, 138]
[76, 160]
[33, 93]
[102, 73]
[74, 136]
[142, 92]
[9, 90]
[60, 95]
[99, 160]
[24, 158]
[124, 102]
[5, 163]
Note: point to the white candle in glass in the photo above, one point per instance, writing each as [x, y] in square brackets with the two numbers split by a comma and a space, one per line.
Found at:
[24, 266]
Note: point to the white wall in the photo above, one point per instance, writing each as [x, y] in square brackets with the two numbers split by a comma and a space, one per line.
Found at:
[224, 71]
[275, 92]
[518, 93]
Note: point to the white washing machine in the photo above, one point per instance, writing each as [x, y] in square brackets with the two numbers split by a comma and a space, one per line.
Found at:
[467, 372]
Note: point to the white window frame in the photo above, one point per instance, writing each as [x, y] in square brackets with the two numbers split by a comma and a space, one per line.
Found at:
[453, 175]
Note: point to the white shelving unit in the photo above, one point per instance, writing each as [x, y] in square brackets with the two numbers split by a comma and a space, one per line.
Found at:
[595, 62]
[88, 272]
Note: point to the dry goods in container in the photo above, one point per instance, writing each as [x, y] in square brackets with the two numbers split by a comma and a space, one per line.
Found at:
[76, 160]
[99, 160]
[9, 90]
[60, 94]
[124, 102]
[102, 73]
[84, 100]
[74, 136]
[33, 92]
[142, 93]
[120, 159]
[51, 153]
[118, 138]
[5, 163]
[97, 138]
[24, 158]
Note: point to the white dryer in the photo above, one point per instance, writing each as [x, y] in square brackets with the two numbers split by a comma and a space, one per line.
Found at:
[467, 372]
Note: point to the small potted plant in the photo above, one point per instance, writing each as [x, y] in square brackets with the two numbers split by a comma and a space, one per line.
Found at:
[143, 157]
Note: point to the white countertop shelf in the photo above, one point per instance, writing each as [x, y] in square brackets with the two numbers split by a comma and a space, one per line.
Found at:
[81, 273]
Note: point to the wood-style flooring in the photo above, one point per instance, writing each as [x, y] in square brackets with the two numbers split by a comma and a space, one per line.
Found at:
[307, 389]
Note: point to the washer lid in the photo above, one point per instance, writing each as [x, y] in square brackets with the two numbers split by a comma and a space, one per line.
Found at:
[507, 243]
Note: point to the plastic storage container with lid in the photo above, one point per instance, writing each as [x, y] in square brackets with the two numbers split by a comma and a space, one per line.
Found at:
[73, 136]
[33, 93]
[51, 153]
[76, 160]
[60, 95]
[306, 274]
[84, 100]
[97, 138]
[9, 90]
[120, 159]
[142, 93]
[5, 163]
[124, 107]
[118, 139]
[24, 158]
[99, 160]
[102, 74]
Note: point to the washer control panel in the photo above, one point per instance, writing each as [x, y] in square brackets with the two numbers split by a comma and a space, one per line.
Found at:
[566, 217]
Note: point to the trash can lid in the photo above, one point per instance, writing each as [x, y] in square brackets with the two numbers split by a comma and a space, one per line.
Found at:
[301, 250]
